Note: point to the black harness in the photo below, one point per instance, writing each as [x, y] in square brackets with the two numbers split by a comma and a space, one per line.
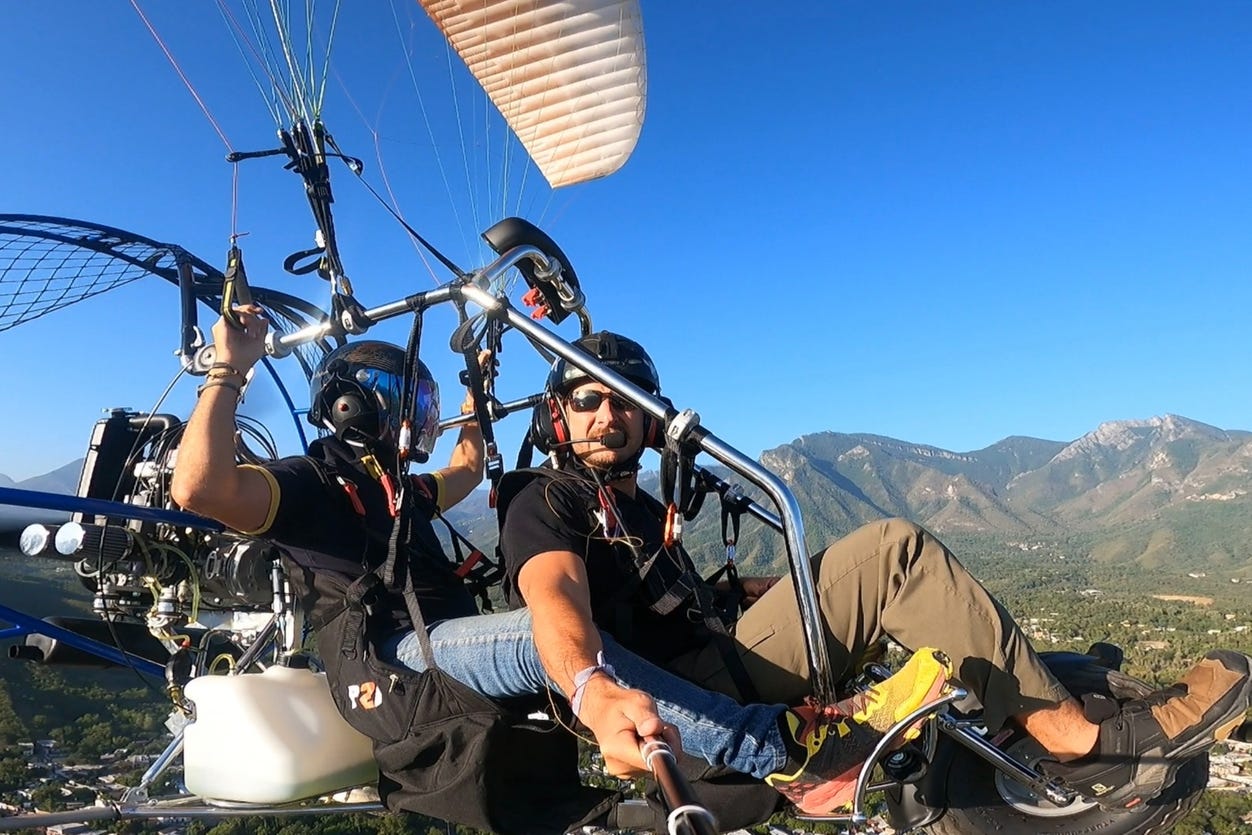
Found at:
[667, 579]
[442, 749]
[478, 572]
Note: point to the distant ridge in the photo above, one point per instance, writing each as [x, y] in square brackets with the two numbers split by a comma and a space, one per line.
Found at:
[1164, 491]
[1163, 494]
[63, 480]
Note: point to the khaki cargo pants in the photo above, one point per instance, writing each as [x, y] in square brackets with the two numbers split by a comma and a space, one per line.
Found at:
[886, 578]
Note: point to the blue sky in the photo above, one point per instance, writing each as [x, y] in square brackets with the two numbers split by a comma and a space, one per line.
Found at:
[943, 222]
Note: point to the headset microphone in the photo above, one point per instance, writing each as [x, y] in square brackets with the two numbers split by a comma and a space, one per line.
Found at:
[610, 440]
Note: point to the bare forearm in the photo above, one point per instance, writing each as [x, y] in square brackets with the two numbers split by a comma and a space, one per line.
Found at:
[565, 636]
[465, 468]
[467, 455]
[206, 479]
[554, 585]
[206, 455]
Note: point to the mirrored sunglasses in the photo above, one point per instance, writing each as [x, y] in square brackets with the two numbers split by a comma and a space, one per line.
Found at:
[589, 401]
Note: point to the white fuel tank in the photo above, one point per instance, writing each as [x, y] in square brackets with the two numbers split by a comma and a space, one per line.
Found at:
[271, 737]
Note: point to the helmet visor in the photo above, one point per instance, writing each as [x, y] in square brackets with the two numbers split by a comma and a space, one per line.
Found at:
[385, 387]
[425, 417]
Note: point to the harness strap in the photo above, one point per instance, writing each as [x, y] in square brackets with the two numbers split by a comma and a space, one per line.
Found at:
[732, 512]
[353, 496]
[472, 560]
[481, 389]
[678, 593]
[478, 571]
[736, 668]
[392, 570]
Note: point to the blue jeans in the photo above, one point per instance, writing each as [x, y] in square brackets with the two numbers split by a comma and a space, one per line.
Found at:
[496, 656]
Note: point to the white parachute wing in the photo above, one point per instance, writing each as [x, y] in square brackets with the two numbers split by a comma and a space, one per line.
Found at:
[568, 76]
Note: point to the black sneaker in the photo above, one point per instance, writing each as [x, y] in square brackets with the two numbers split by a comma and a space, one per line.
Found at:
[1143, 741]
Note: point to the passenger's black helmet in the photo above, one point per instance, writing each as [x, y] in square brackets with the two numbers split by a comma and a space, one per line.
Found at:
[356, 393]
[625, 356]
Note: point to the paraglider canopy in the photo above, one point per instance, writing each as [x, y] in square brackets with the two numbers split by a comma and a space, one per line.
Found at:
[567, 75]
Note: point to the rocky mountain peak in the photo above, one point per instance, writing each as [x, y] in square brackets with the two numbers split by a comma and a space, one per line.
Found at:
[1121, 435]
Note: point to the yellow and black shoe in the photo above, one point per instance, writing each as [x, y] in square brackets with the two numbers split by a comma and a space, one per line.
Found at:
[828, 747]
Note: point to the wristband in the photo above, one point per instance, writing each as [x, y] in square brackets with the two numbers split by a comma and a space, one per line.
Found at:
[583, 676]
[224, 383]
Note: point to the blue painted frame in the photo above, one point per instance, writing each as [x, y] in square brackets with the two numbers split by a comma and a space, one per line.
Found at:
[24, 624]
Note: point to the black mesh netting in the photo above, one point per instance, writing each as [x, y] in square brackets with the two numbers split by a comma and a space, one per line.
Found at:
[48, 263]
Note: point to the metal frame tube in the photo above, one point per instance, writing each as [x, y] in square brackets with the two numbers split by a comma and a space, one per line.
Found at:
[495, 412]
[720, 486]
[974, 741]
[28, 624]
[279, 345]
[103, 507]
[159, 766]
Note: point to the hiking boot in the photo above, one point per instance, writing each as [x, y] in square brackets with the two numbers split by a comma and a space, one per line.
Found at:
[827, 748]
[1142, 742]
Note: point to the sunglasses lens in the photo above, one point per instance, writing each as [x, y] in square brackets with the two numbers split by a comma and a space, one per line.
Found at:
[587, 401]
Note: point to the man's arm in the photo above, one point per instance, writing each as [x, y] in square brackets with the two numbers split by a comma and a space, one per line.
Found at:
[554, 586]
[465, 469]
[206, 478]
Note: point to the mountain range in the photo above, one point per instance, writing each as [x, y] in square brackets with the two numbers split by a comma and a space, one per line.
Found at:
[1166, 494]
[1162, 493]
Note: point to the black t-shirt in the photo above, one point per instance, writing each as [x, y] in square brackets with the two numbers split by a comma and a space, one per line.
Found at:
[314, 521]
[562, 514]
